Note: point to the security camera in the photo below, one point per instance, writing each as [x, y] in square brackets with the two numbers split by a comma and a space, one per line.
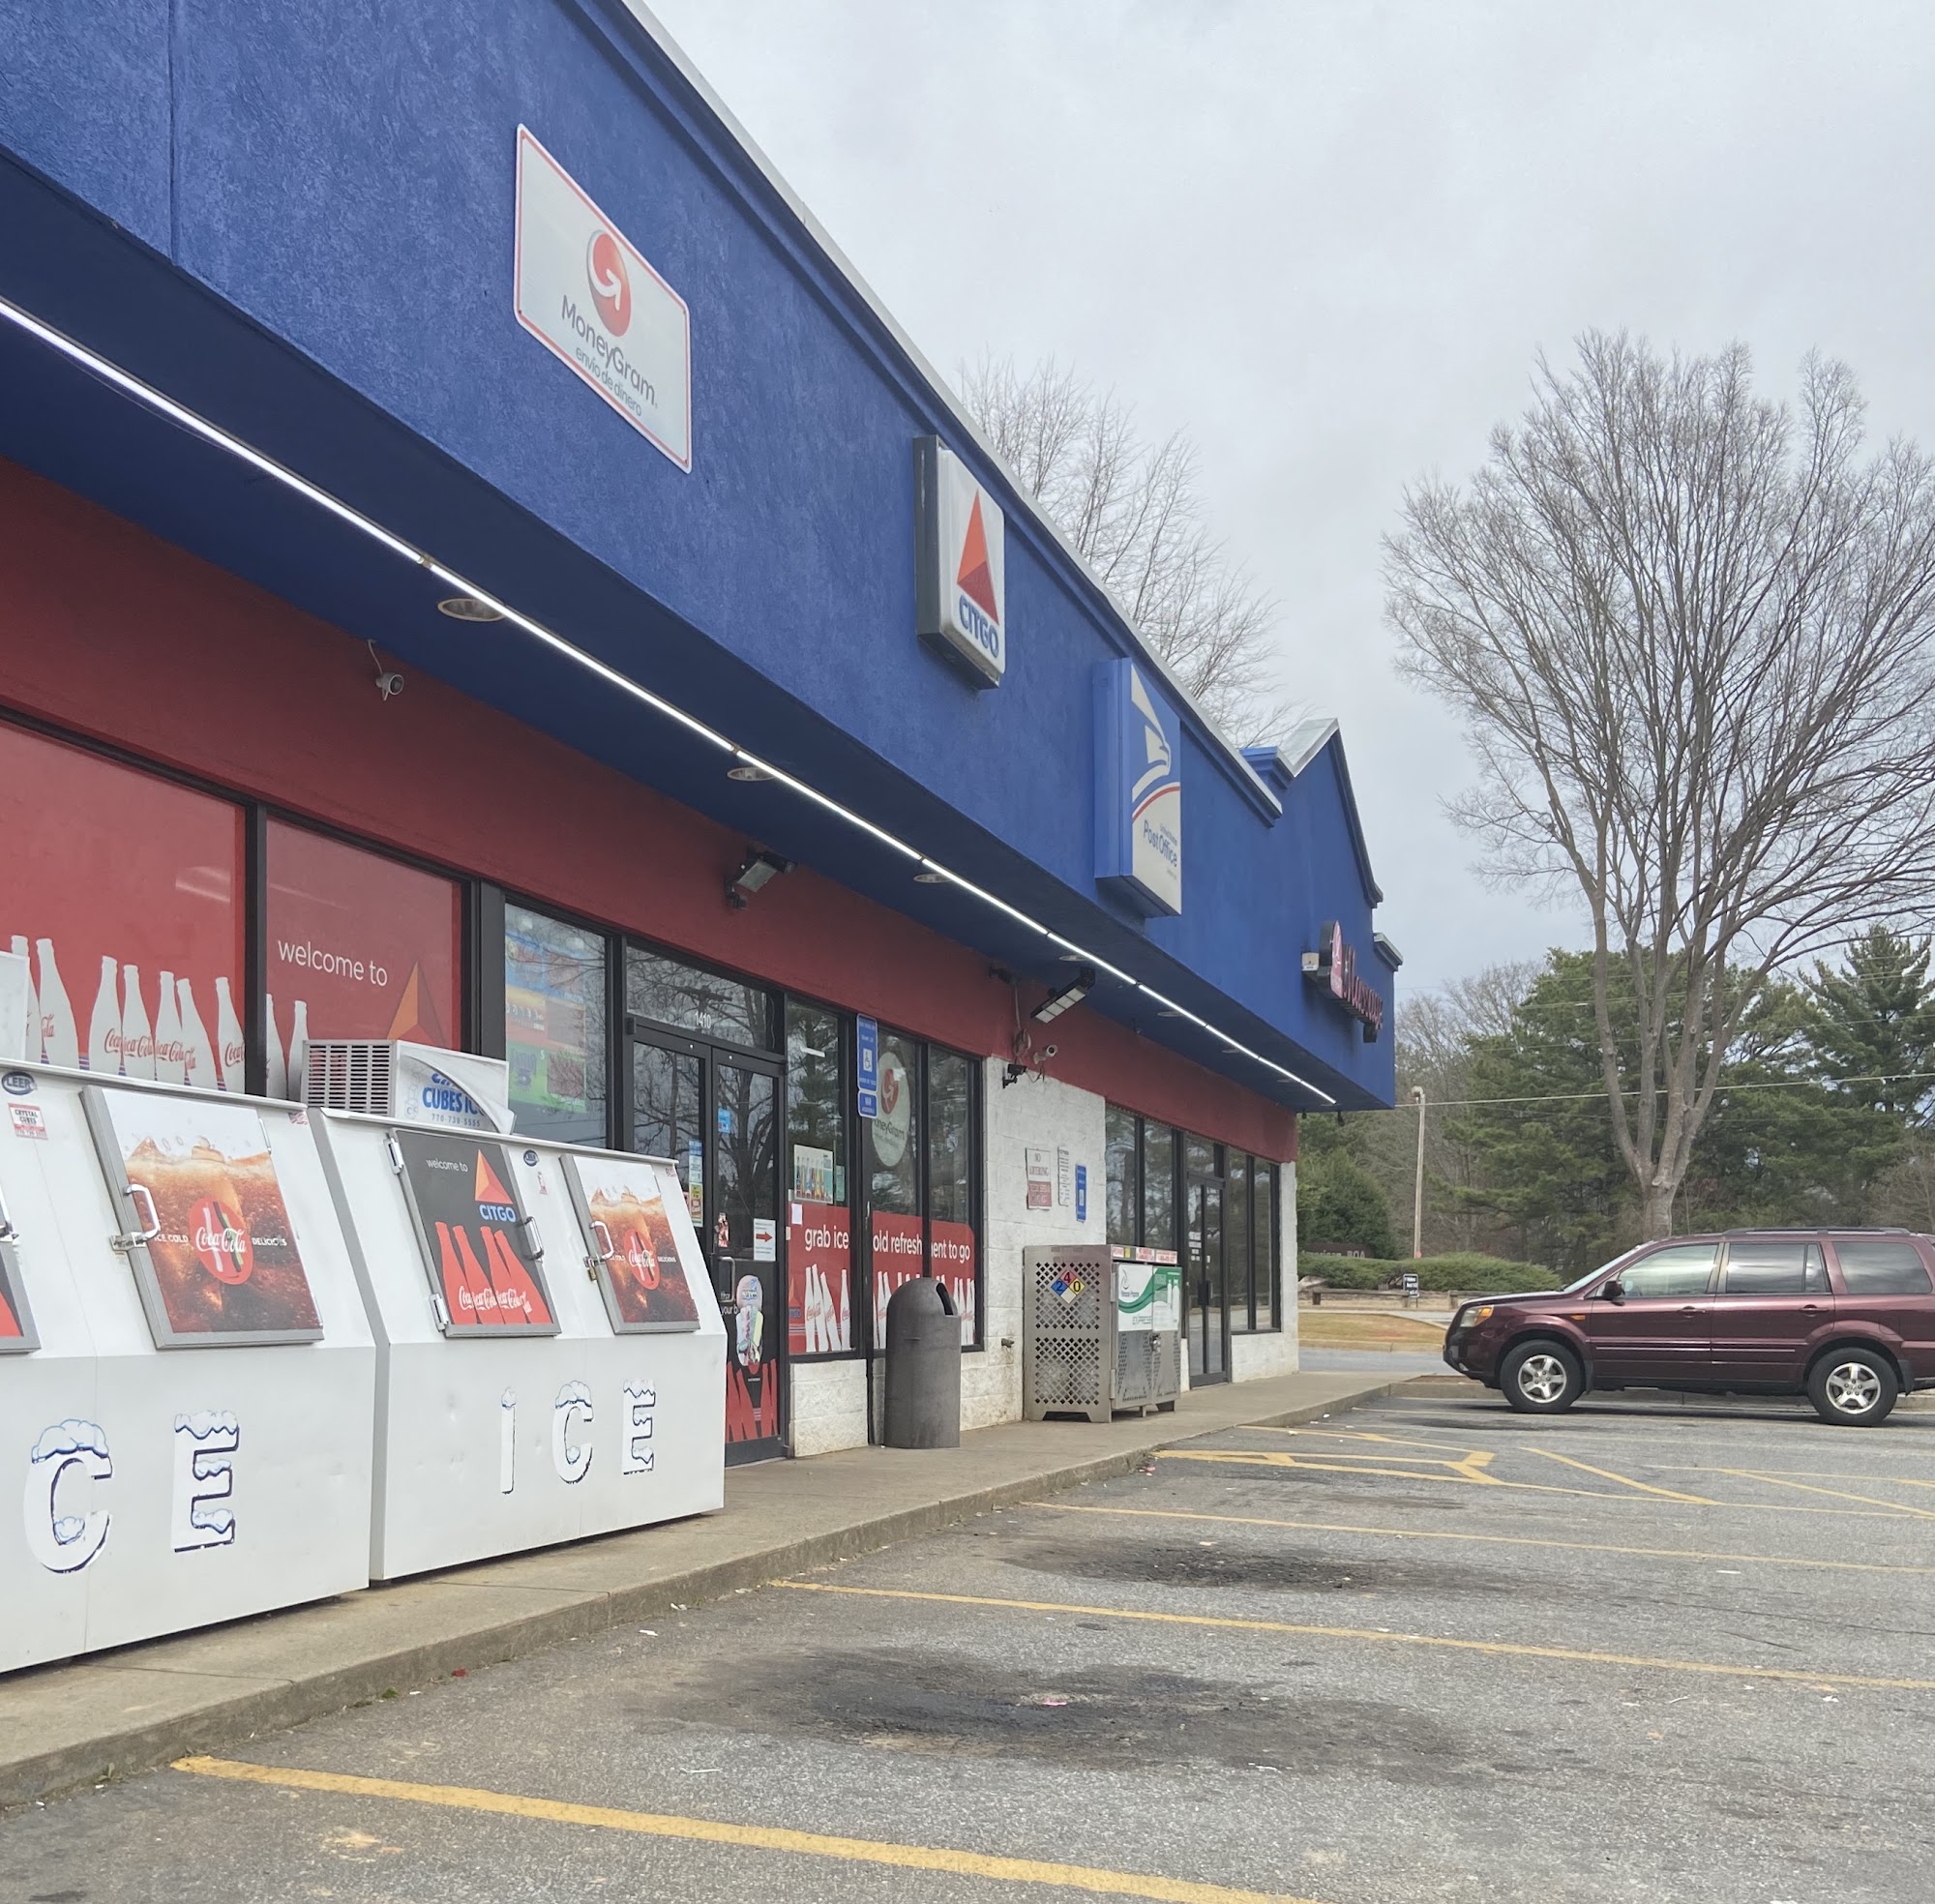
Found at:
[389, 683]
[1048, 1052]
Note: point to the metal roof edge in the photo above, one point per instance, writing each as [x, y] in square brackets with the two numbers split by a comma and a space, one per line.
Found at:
[1229, 756]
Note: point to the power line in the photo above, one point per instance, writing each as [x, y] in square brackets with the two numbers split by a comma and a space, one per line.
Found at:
[1583, 1098]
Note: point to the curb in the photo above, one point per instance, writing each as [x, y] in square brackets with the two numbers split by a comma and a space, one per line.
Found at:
[222, 1722]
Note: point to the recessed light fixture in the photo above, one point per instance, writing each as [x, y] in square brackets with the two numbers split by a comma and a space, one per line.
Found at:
[746, 770]
[930, 878]
[468, 608]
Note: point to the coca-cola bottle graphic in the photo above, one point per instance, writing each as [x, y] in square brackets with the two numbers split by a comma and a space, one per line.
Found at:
[30, 1049]
[137, 1037]
[59, 1043]
[299, 1051]
[197, 1054]
[170, 1059]
[228, 1038]
[104, 1028]
[278, 1060]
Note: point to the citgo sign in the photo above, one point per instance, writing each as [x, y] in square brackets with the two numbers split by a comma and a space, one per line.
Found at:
[962, 595]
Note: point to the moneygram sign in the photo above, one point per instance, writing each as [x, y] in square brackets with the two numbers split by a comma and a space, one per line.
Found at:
[586, 293]
[1138, 788]
[962, 588]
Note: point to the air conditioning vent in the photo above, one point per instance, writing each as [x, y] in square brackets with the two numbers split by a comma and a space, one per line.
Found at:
[413, 1083]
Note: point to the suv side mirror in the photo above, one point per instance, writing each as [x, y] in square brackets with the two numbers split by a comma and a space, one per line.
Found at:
[1614, 1290]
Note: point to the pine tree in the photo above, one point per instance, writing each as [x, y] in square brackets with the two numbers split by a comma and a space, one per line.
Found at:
[1875, 1020]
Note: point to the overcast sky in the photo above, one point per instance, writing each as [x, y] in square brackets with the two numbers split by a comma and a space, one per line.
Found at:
[1328, 239]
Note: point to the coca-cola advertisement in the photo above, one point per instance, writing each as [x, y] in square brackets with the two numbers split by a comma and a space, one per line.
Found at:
[621, 1207]
[819, 1278]
[124, 896]
[476, 1235]
[209, 1229]
[359, 946]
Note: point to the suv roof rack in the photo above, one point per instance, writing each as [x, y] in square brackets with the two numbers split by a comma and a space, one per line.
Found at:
[1821, 1230]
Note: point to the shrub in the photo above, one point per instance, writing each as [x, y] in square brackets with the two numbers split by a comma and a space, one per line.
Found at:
[1338, 1201]
[1465, 1270]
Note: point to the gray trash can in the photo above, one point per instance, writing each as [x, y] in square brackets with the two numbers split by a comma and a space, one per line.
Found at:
[923, 1398]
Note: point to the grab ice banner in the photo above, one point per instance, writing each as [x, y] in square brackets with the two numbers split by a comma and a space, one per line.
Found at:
[17, 1334]
[475, 1235]
[629, 1238]
[209, 1229]
[819, 1278]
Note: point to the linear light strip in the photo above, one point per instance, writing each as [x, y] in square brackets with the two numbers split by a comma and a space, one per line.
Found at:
[214, 435]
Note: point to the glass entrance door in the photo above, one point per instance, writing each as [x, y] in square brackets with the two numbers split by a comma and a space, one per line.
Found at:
[1207, 1319]
[715, 1113]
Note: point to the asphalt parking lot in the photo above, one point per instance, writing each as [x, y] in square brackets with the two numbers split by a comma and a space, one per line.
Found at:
[1424, 1649]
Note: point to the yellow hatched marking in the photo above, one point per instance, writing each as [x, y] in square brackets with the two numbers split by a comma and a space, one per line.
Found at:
[755, 1837]
[1833, 1494]
[1497, 1648]
[1479, 1540]
[1625, 1480]
[1892, 1510]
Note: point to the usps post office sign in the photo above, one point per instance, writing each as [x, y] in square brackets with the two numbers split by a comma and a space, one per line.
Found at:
[1138, 788]
[962, 588]
[587, 294]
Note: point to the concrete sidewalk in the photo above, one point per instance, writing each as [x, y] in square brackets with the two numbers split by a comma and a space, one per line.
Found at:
[119, 1712]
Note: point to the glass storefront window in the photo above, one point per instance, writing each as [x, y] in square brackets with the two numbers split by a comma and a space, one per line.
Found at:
[124, 891]
[950, 1194]
[1158, 1186]
[1237, 1238]
[708, 1004]
[893, 1137]
[1263, 1201]
[820, 1229]
[1120, 1157]
[359, 946]
[554, 1025]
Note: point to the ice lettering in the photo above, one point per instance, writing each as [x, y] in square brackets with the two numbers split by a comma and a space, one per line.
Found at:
[636, 1458]
[572, 1410]
[204, 1477]
[65, 1544]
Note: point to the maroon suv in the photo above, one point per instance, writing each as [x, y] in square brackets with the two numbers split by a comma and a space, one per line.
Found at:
[1845, 1318]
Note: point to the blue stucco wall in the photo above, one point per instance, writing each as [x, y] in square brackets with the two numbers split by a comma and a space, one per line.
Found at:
[343, 173]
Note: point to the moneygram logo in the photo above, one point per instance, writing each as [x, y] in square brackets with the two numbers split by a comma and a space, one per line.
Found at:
[610, 282]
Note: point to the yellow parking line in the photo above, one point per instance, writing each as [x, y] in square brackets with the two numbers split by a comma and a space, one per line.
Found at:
[1482, 1539]
[1625, 1480]
[1500, 1649]
[1833, 1494]
[756, 1837]
[1251, 1458]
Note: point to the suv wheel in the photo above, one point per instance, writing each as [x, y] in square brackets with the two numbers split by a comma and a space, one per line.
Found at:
[1541, 1377]
[1853, 1388]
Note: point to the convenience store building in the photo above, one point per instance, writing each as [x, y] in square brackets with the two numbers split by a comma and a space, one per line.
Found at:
[477, 566]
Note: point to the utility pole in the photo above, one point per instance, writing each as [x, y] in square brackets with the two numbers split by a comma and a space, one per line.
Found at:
[1418, 1188]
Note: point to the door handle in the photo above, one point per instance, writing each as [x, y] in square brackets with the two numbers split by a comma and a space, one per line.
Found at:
[1689, 1308]
[1810, 1308]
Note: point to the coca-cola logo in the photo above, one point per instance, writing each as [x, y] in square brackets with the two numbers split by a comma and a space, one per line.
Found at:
[642, 1258]
[231, 1056]
[222, 1241]
[611, 282]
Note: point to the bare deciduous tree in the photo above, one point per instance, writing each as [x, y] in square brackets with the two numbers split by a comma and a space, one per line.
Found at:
[1692, 635]
[1131, 509]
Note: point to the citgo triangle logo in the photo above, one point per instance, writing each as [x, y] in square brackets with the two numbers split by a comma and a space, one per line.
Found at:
[490, 1185]
[977, 578]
